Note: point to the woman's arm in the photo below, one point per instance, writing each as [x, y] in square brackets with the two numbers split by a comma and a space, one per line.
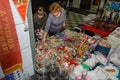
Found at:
[44, 37]
[49, 19]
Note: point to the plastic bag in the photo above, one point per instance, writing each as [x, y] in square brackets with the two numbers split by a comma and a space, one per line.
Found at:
[115, 56]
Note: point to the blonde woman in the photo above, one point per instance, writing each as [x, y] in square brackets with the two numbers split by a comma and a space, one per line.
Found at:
[55, 21]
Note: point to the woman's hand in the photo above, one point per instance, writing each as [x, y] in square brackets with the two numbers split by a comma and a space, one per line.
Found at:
[44, 37]
[64, 24]
[43, 40]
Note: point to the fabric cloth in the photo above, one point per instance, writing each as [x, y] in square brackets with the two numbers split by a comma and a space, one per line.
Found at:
[55, 24]
[10, 54]
[22, 8]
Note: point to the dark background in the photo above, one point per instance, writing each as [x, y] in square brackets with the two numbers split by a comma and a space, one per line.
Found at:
[44, 3]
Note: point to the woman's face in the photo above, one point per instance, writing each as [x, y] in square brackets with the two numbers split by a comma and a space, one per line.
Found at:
[56, 14]
[40, 13]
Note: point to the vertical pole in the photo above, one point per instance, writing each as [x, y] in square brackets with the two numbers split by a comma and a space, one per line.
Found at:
[31, 30]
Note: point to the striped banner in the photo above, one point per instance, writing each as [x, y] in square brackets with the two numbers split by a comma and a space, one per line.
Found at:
[10, 55]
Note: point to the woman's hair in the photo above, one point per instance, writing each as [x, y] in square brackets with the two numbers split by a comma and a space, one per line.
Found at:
[40, 10]
[55, 7]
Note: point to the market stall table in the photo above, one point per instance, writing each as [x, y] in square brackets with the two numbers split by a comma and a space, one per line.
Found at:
[99, 27]
[66, 55]
[95, 30]
[65, 50]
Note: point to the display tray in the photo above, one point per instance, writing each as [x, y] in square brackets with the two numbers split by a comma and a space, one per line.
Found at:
[96, 31]
[99, 27]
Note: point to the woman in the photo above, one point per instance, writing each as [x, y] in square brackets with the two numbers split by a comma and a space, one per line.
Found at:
[55, 21]
[39, 20]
